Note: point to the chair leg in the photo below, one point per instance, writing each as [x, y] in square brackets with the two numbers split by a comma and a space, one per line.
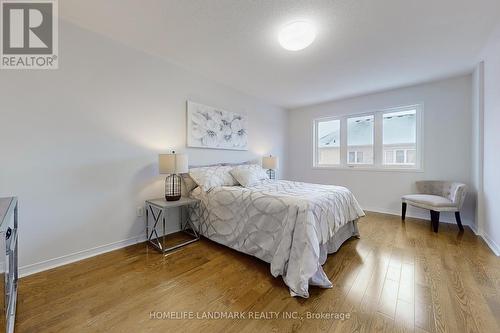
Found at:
[459, 221]
[403, 211]
[435, 220]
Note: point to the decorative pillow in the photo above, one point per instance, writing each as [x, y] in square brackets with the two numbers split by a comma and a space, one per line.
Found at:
[209, 177]
[248, 175]
[188, 185]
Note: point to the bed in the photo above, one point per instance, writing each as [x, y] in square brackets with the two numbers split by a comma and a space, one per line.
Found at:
[291, 225]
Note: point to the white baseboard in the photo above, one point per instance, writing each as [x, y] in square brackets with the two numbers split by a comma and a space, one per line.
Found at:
[409, 213]
[487, 239]
[474, 229]
[77, 256]
[493, 246]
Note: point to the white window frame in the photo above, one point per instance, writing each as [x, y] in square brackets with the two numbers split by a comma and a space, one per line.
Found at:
[315, 140]
[419, 149]
[356, 155]
[378, 147]
[405, 157]
[356, 164]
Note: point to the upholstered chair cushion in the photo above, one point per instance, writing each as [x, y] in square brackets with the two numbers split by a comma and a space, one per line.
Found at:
[429, 201]
[437, 196]
[455, 192]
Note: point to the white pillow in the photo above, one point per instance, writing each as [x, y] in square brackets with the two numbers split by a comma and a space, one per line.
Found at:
[209, 177]
[248, 175]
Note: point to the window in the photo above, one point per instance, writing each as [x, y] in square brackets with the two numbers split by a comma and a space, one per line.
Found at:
[355, 157]
[400, 137]
[385, 139]
[411, 156]
[360, 140]
[327, 138]
[400, 156]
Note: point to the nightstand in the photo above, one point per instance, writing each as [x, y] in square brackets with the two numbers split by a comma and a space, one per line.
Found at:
[156, 220]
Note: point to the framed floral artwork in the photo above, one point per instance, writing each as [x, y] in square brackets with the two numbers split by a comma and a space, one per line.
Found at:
[209, 127]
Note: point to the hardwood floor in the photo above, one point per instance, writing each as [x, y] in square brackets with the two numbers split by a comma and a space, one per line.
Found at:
[398, 277]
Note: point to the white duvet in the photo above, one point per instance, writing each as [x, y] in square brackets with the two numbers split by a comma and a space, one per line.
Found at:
[291, 225]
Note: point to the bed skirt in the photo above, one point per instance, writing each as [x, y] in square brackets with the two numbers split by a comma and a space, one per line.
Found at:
[344, 233]
[320, 279]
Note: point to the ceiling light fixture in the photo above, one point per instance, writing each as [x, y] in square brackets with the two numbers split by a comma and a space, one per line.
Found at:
[297, 35]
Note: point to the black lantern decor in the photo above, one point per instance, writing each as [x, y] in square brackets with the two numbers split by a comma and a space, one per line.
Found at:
[172, 188]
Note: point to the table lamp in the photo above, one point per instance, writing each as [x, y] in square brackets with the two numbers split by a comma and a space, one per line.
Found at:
[172, 165]
[271, 164]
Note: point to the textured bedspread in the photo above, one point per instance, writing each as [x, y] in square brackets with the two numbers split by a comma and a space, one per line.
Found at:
[291, 225]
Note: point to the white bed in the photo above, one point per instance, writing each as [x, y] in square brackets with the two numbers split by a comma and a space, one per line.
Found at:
[291, 225]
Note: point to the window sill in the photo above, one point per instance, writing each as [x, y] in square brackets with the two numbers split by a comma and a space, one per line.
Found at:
[364, 168]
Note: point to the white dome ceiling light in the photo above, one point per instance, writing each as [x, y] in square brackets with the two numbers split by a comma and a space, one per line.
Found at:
[297, 35]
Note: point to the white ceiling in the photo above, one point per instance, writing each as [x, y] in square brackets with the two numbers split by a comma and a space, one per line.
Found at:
[362, 45]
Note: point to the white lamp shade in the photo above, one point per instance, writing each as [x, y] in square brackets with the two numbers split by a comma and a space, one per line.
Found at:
[270, 162]
[181, 163]
[173, 163]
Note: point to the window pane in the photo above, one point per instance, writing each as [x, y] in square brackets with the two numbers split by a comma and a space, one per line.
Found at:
[411, 156]
[388, 156]
[359, 157]
[399, 134]
[328, 140]
[352, 157]
[360, 139]
[400, 156]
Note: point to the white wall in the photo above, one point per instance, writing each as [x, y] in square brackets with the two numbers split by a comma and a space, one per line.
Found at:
[79, 145]
[490, 226]
[447, 145]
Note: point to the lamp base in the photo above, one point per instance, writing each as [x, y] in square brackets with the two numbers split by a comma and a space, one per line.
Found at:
[173, 188]
[271, 173]
[172, 197]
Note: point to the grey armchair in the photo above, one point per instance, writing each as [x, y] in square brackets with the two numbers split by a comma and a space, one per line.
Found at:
[437, 196]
